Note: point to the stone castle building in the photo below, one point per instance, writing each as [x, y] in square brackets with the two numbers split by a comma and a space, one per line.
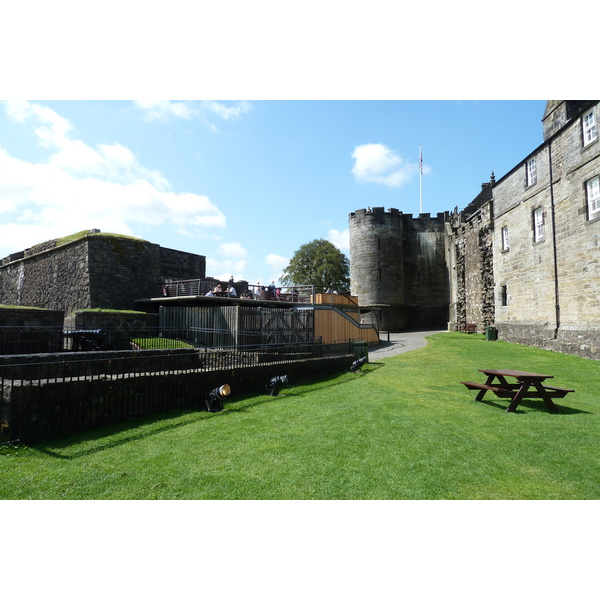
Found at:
[397, 265]
[92, 270]
[523, 256]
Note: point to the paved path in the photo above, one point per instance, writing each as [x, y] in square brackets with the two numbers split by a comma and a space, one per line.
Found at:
[400, 342]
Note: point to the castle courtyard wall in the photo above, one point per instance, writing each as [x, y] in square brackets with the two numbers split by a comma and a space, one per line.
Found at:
[469, 256]
[524, 275]
[552, 286]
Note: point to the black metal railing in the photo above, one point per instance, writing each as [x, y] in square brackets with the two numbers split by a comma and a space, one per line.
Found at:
[44, 395]
[29, 339]
[34, 340]
[299, 294]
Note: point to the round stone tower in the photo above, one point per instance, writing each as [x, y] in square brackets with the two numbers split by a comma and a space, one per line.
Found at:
[398, 265]
[377, 263]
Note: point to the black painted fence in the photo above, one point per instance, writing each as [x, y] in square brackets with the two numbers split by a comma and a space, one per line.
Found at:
[45, 395]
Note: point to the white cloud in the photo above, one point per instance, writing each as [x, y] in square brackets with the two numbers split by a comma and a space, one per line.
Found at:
[376, 163]
[340, 239]
[82, 187]
[235, 110]
[163, 109]
[232, 249]
[224, 269]
[277, 264]
[53, 129]
[229, 259]
[187, 109]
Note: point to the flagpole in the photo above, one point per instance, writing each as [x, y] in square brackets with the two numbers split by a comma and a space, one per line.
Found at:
[420, 180]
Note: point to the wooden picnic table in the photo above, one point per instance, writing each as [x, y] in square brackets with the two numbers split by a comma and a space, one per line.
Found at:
[529, 385]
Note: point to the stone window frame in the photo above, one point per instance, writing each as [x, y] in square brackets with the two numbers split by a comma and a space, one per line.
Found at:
[504, 239]
[530, 172]
[538, 225]
[589, 127]
[592, 185]
[503, 295]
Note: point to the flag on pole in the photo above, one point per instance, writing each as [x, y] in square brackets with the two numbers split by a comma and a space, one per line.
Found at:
[420, 180]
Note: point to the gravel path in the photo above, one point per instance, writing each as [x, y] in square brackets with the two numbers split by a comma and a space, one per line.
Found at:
[400, 342]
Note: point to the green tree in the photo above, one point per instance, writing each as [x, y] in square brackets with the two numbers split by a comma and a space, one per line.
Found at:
[318, 263]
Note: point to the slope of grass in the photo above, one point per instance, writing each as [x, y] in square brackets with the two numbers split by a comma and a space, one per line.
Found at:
[404, 428]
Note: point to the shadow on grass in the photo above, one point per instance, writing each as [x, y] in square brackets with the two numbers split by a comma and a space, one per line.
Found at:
[231, 408]
[129, 426]
[375, 366]
[539, 405]
[110, 430]
[323, 385]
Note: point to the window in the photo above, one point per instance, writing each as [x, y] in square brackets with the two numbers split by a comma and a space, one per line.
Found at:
[592, 192]
[531, 172]
[503, 296]
[538, 225]
[590, 131]
[504, 239]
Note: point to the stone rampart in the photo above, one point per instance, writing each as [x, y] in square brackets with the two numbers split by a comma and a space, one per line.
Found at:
[30, 330]
[93, 271]
[106, 319]
[55, 279]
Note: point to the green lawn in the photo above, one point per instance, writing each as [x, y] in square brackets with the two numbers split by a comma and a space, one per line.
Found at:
[403, 428]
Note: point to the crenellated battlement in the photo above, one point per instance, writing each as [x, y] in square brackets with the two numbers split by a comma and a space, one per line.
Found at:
[379, 212]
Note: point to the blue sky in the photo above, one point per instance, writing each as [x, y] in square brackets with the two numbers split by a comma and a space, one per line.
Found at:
[244, 183]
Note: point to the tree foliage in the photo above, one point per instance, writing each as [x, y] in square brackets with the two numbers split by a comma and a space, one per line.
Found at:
[318, 263]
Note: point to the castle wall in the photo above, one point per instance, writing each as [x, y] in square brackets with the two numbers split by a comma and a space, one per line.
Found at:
[524, 274]
[470, 265]
[377, 260]
[426, 275]
[397, 264]
[25, 330]
[56, 278]
[175, 264]
[94, 271]
[553, 285]
[122, 270]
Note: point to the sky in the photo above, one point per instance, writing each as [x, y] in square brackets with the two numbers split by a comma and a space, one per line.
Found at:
[245, 183]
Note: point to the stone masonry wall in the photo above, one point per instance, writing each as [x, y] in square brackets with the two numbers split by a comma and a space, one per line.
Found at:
[471, 255]
[175, 264]
[94, 271]
[398, 264]
[122, 270]
[552, 285]
[56, 279]
[425, 271]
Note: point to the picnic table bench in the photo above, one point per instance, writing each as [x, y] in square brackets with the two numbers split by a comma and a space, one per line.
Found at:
[529, 385]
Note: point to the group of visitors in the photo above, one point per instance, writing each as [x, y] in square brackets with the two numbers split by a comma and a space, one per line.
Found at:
[259, 292]
[218, 291]
[273, 292]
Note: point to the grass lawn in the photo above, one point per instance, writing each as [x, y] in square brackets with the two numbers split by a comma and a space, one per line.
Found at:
[155, 343]
[403, 428]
